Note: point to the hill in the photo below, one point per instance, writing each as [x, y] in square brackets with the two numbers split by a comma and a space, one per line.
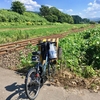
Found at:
[29, 17]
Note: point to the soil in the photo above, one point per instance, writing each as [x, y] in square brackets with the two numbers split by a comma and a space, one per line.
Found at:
[67, 80]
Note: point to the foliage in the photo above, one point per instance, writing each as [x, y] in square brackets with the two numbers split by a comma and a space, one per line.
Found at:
[52, 14]
[26, 32]
[89, 72]
[85, 20]
[78, 19]
[44, 10]
[99, 22]
[92, 22]
[10, 16]
[26, 60]
[81, 52]
[18, 7]
[93, 51]
[51, 18]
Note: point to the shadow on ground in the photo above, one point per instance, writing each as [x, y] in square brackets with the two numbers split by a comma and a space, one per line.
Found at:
[16, 90]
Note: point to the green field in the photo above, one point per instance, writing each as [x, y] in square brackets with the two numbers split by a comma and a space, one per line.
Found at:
[16, 33]
[81, 52]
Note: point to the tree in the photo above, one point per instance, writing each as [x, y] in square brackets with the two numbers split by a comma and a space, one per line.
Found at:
[44, 11]
[70, 19]
[92, 22]
[54, 15]
[51, 18]
[55, 11]
[85, 20]
[77, 19]
[99, 22]
[18, 7]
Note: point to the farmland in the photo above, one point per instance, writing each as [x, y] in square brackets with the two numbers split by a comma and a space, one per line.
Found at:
[15, 33]
[81, 52]
[77, 47]
[81, 58]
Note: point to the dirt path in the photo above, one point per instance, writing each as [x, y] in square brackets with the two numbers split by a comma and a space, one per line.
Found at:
[12, 88]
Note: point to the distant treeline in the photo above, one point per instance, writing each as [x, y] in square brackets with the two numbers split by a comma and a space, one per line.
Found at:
[54, 15]
[77, 19]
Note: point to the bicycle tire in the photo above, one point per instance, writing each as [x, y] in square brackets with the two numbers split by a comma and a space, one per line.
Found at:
[34, 84]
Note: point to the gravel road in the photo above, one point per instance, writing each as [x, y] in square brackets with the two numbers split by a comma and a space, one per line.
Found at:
[12, 88]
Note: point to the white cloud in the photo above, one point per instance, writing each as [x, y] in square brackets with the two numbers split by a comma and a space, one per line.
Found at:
[69, 10]
[93, 8]
[61, 10]
[30, 4]
[90, 4]
[80, 13]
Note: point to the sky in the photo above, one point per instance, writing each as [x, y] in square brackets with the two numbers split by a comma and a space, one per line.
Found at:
[83, 8]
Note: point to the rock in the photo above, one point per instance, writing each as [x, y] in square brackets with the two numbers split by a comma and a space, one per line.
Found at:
[74, 83]
[67, 74]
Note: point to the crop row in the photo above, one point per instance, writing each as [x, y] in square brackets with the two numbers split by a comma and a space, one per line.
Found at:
[81, 52]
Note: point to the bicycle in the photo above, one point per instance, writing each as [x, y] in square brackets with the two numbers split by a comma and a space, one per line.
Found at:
[37, 75]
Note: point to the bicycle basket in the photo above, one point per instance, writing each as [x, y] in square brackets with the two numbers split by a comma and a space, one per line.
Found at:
[52, 52]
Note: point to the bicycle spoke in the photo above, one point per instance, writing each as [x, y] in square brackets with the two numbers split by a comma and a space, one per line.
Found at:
[32, 84]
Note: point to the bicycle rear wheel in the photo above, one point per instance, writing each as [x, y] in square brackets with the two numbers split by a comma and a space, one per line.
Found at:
[32, 84]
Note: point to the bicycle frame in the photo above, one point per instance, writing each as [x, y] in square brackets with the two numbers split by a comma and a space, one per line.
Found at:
[43, 66]
[37, 76]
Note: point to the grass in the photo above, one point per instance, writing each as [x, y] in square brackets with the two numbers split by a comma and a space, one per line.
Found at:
[12, 34]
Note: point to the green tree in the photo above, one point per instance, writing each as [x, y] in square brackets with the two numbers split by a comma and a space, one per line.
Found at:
[44, 11]
[55, 11]
[18, 7]
[99, 22]
[54, 15]
[77, 19]
[85, 20]
[51, 18]
[62, 18]
[92, 22]
[70, 19]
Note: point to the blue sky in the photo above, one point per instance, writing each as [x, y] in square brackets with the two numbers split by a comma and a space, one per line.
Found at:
[83, 8]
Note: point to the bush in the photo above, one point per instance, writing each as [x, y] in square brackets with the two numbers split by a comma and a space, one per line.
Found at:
[10, 16]
[89, 72]
[81, 50]
[2, 18]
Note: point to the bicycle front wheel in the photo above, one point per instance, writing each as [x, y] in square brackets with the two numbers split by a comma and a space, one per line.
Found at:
[32, 84]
